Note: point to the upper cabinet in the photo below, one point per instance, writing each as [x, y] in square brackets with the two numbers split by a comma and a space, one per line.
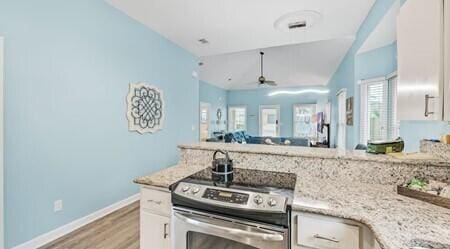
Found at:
[447, 60]
[421, 67]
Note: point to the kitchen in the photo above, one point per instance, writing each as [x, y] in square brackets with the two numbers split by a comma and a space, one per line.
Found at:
[208, 124]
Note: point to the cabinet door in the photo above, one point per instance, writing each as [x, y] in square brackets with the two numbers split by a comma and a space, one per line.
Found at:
[420, 60]
[154, 232]
[447, 62]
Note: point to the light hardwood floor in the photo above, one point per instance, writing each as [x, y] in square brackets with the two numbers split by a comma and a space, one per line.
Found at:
[118, 230]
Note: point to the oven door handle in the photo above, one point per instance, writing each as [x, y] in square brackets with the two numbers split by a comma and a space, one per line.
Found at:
[233, 231]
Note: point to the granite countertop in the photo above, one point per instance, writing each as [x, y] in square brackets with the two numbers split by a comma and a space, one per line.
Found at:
[398, 222]
[310, 152]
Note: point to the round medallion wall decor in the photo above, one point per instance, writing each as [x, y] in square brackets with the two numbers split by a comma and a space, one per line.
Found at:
[145, 108]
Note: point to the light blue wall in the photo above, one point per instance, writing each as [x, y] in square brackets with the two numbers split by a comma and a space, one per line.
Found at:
[376, 63]
[414, 131]
[68, 65]
[217, 97]
[345, 75]
[252, 99]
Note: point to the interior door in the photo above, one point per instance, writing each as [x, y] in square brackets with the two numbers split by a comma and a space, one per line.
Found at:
[269, 121]
[204, 121]
[341, 127]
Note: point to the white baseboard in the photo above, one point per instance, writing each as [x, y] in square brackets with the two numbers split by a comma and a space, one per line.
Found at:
[72, 226]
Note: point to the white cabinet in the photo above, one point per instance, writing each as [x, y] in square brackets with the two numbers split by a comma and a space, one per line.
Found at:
[154, 231]
[322, 232]
[447, 60]
[420, 41]
[155, 219]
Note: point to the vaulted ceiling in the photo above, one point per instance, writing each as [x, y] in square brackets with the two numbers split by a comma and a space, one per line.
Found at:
[236, 26]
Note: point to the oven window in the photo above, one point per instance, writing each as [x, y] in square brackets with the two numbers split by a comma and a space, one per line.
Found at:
[206, 241]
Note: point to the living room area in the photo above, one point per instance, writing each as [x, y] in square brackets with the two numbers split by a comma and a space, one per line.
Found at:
[296, 116]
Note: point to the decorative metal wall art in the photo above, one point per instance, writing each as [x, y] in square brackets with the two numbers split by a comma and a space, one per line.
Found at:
[145, 108]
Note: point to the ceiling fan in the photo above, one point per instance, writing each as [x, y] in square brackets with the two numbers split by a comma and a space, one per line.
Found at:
[262, 80]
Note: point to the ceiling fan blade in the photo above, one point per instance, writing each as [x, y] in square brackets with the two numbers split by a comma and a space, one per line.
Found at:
[270, 83]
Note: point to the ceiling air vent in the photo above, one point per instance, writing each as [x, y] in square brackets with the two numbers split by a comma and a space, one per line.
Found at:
[298, 20]
[203, 41]
[297, 25]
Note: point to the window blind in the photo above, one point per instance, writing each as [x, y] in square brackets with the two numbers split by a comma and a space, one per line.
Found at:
[378, 110]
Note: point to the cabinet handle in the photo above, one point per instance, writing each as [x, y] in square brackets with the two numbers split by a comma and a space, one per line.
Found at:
[156, 202]
[427, 100]
[317, 236]
[166, 233]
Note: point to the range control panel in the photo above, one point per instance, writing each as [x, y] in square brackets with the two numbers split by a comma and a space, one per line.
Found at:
[226, 196]
[232, 198]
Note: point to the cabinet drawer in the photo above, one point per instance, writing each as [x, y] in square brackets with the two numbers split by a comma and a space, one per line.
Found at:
[315, 232]
[156, 201]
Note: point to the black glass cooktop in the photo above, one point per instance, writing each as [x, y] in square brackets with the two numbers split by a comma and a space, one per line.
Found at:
[250, 180]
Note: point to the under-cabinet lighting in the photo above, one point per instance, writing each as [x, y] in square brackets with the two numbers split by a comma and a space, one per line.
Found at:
[316, 91]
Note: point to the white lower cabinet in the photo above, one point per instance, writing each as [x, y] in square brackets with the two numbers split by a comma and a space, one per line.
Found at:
[155, 219]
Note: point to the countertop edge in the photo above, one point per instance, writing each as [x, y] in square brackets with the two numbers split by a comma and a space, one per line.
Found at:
[383, 158]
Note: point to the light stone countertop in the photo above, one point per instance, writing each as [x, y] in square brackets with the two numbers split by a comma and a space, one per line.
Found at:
[395, 220]
[322, 153]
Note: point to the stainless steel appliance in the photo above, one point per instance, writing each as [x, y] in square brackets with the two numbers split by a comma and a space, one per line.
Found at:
[251, 213]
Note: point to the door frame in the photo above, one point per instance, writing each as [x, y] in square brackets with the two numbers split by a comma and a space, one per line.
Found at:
[202, 105]
[261, 107]
[2, 127]
[341, 111]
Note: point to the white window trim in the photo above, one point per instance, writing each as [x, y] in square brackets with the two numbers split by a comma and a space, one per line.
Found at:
[278, 118]
[229, 116]
[364, 83]
[2, 75]
[293, 118]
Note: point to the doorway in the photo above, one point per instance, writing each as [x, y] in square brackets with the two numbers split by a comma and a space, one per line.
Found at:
[341, 127]
[269, 120]
[204, 120]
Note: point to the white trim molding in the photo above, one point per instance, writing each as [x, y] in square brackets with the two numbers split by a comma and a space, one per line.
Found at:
[74, 225]
[2, 148]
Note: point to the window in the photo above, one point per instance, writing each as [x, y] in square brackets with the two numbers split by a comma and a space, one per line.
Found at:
[269, 124]
[237, 118]
[304, 121]
[378, 109]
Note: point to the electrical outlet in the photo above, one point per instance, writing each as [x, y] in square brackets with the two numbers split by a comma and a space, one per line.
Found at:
[57, 206]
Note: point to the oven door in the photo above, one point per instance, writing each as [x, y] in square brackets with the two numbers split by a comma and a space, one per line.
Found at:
[196, 230]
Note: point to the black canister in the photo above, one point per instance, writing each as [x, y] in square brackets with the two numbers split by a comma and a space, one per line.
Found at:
[222, 168]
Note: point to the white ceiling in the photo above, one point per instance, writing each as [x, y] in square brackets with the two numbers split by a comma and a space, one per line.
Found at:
[386, 31]
[294, 65]
[240, 25]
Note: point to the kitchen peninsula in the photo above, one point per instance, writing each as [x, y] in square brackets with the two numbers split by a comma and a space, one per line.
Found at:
[350, 187]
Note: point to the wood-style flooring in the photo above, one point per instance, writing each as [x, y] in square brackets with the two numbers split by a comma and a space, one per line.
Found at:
[118, 230]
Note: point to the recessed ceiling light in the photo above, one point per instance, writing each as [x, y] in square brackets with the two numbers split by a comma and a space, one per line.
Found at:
[203, 41]
[298, 20]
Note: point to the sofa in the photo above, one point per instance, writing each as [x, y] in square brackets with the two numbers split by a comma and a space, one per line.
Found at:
[243, 137]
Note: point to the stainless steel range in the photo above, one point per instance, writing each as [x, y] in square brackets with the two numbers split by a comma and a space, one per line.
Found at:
[252, 212]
